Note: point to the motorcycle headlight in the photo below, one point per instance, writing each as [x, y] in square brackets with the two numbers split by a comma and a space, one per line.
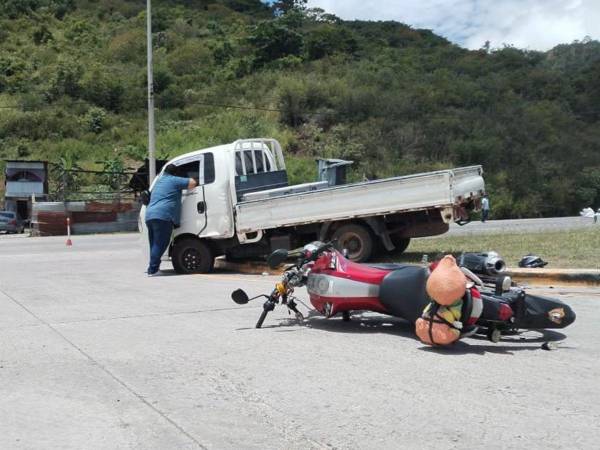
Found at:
[323, 285]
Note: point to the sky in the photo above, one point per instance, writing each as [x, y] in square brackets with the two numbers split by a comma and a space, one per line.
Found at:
[526, 24]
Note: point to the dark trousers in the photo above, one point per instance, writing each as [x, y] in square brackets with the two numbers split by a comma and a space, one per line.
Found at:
[484, 214]
[159, 236]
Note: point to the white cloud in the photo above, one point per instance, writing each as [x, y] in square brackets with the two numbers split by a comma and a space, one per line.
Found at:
[531, 24]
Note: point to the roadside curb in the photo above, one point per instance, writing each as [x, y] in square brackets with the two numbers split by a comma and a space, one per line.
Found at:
[581, 277]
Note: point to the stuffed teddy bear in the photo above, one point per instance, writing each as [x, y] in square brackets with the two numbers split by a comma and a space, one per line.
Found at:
[440, 323]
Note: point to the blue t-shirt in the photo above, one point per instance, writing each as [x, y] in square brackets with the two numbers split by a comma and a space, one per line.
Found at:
[165, 199]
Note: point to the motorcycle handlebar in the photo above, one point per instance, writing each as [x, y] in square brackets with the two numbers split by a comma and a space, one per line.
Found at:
[315, 255]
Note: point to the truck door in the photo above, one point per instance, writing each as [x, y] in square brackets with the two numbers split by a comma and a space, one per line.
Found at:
[193, 203]
[216, 191]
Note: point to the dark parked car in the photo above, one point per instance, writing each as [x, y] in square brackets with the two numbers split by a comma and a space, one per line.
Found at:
[10, 223]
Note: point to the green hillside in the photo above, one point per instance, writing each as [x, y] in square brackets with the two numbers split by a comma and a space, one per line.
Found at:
[394, 99]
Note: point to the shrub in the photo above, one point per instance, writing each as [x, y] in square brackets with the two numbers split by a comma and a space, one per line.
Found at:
[65, 80]
[103, 88]
[13, 73]
[129, 46]
[42, 35]
[94, 120]
[329, 39]
[191, 58]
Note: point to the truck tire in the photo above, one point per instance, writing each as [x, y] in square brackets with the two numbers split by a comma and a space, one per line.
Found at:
[191, 255]
[400, 243]
[356, 239]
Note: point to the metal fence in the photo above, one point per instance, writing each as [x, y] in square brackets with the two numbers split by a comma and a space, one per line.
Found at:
[77, 184]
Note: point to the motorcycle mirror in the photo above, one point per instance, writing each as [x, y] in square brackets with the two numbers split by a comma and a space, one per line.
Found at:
[240, 297]
[277, 257]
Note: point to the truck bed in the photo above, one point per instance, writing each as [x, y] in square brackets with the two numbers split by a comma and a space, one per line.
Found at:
[439, 189]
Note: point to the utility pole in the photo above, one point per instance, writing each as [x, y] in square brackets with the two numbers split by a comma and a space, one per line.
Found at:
[151, 133]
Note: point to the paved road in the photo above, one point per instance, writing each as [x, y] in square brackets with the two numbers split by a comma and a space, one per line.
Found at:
[525, 225]
[95, 355]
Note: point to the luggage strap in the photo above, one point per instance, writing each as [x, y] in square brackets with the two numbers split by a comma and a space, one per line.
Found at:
[434, 317]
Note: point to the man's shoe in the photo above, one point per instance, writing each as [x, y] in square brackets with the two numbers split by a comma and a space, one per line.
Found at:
[158, 273]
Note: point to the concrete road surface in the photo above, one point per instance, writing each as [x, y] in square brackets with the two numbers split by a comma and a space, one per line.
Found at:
[95, 355]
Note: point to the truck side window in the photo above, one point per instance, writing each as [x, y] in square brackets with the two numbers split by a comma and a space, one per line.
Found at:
[188, 170]
[192, 169]
[209, 168]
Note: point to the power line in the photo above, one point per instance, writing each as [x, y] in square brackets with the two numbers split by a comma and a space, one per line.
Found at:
[219, 105]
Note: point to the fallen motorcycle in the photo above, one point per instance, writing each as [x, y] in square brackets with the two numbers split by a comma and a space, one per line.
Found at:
[337, 285]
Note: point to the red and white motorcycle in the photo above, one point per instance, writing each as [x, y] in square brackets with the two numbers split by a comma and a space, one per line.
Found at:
[337, 285]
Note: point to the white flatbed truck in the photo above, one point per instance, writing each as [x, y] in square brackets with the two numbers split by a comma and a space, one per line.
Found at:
[243, 207]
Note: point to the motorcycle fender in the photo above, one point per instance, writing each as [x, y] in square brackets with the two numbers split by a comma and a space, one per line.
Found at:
[537, 312]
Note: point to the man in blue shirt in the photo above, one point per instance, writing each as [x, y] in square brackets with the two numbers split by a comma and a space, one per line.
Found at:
[163, 213]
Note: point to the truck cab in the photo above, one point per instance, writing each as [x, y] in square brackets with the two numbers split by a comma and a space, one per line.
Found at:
[225, 174]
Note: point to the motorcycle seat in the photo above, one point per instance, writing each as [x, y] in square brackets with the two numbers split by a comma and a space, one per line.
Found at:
[403, 293]
[389, 266]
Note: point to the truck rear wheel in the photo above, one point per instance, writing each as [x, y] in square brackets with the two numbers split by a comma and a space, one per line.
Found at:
[191, 255]
[356, 239]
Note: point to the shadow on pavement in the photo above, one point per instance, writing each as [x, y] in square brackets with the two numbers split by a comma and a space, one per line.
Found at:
[518, 342]
[358, 324]
[370, 324]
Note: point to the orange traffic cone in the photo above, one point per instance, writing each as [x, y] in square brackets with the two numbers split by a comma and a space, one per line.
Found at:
[69, 242]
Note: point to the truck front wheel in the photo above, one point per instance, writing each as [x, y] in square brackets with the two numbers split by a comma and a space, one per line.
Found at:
[191, 255]
[356, 240]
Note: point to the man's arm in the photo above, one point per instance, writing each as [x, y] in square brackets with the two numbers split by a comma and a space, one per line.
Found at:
[192, 184]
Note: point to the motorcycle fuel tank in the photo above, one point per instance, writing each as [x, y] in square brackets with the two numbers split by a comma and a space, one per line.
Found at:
[331, 294]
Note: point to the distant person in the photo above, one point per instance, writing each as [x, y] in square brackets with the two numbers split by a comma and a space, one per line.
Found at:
[485, 208]
[163, 213]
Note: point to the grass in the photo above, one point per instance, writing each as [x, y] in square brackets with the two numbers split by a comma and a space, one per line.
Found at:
[574, 249]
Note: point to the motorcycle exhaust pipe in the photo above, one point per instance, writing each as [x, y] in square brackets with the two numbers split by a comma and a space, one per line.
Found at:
[489, 263]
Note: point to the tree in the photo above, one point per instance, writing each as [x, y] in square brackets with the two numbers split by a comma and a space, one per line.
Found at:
[67, 176]
[273, 40]
[285, 6]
